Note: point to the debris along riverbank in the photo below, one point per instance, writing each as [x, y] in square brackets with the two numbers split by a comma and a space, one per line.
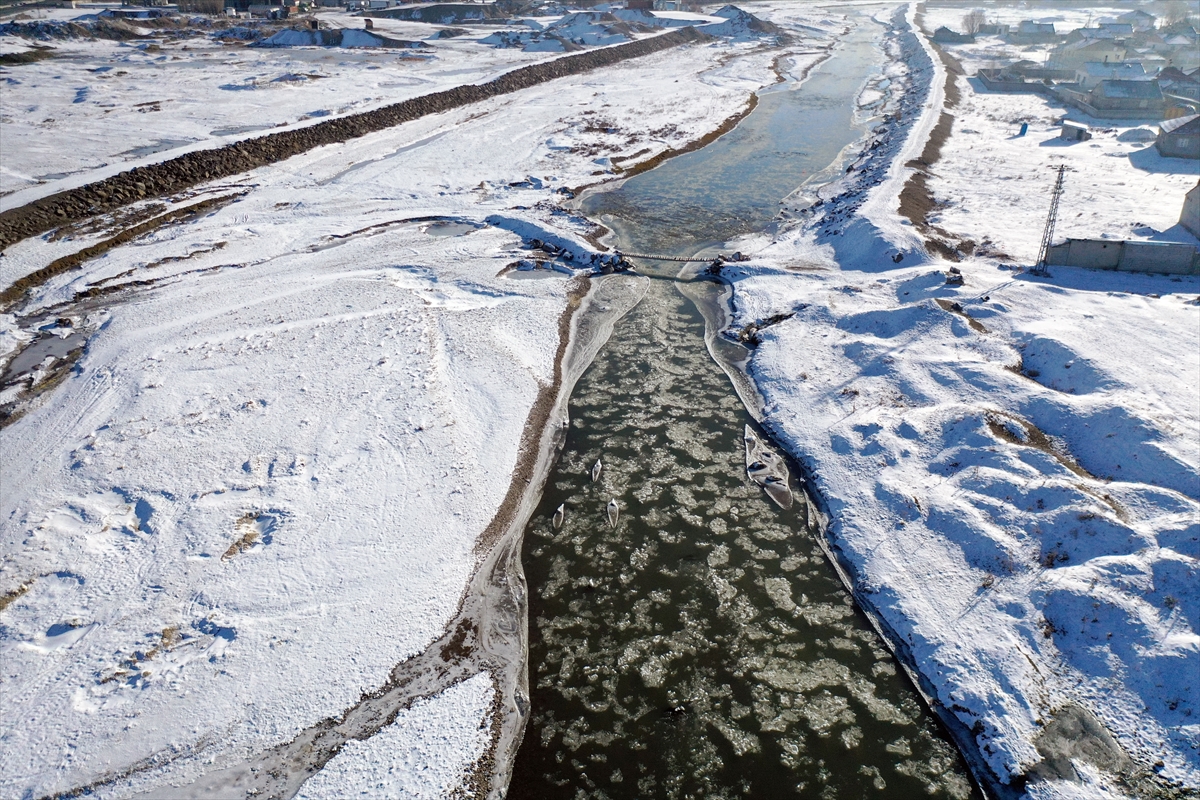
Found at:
[188, 170]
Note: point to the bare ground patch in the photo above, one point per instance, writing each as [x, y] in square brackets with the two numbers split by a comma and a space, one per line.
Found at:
[916, 199]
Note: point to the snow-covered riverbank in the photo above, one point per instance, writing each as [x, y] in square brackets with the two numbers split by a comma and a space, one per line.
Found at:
[1011, 466]
[264, 482]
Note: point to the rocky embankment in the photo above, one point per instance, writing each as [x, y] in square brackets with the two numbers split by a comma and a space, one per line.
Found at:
[233, 159]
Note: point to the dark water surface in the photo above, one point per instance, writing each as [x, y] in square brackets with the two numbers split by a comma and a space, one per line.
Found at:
[704, 647]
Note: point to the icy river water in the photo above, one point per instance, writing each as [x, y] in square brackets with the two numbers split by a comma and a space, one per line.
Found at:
[704, 646]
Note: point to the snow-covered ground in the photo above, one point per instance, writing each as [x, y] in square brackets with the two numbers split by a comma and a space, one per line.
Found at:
[1012, 466]
[262, 485]
[120, 104]
[423, 754]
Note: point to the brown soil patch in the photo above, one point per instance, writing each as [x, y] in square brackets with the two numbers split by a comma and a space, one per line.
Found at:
[246, 541]
[1033, 437]
[27, 57]
[462, 643]
[109, 223]
[916, 199]
[8, 598]
[950, 306]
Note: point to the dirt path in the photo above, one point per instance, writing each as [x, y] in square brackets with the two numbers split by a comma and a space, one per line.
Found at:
[916, 198]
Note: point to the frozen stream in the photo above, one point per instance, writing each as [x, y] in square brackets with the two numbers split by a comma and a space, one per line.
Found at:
[704, 647]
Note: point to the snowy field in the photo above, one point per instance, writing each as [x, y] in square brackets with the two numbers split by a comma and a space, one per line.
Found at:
[1012, 466]
[120, 104]
[262, 485]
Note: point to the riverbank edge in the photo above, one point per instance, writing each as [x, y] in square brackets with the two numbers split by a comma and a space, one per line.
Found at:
[585, 327]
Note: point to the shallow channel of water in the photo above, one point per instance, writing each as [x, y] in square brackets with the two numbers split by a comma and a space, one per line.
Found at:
[703, 646]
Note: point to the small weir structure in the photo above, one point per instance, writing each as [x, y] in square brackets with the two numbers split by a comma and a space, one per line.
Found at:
[703, 646]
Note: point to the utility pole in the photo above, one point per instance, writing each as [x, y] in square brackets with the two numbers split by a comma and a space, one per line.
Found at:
[1048, 234]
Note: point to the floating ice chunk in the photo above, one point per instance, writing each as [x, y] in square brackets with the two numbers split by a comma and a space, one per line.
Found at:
[766, 468]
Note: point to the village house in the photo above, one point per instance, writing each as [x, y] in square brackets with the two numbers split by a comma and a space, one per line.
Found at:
[1176, 82]
[1113, 30]
[1030, 32]
[1139, 20]
[944, 35]
[1179, 137]
[1075, 54]
[1090, 74]
[1033, 71]
[1189, 218]
[1127, 99]
[1116, 99]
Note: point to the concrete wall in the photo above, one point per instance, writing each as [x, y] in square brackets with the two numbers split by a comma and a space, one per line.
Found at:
[1158, 257]
[993, 82]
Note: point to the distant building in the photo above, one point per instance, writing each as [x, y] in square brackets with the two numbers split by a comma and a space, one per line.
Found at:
[148, 11]
[1139, 20]
[1090, 74]
[1133, 98]
[1179, 28]
[1075, 54]
[944, 35]
[1174, 81]
[1034, 71]
[1115, 30]
[1189, 218]
[1030, 32]
[1179, 137]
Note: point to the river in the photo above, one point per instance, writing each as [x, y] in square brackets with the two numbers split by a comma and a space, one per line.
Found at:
[704, 646]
